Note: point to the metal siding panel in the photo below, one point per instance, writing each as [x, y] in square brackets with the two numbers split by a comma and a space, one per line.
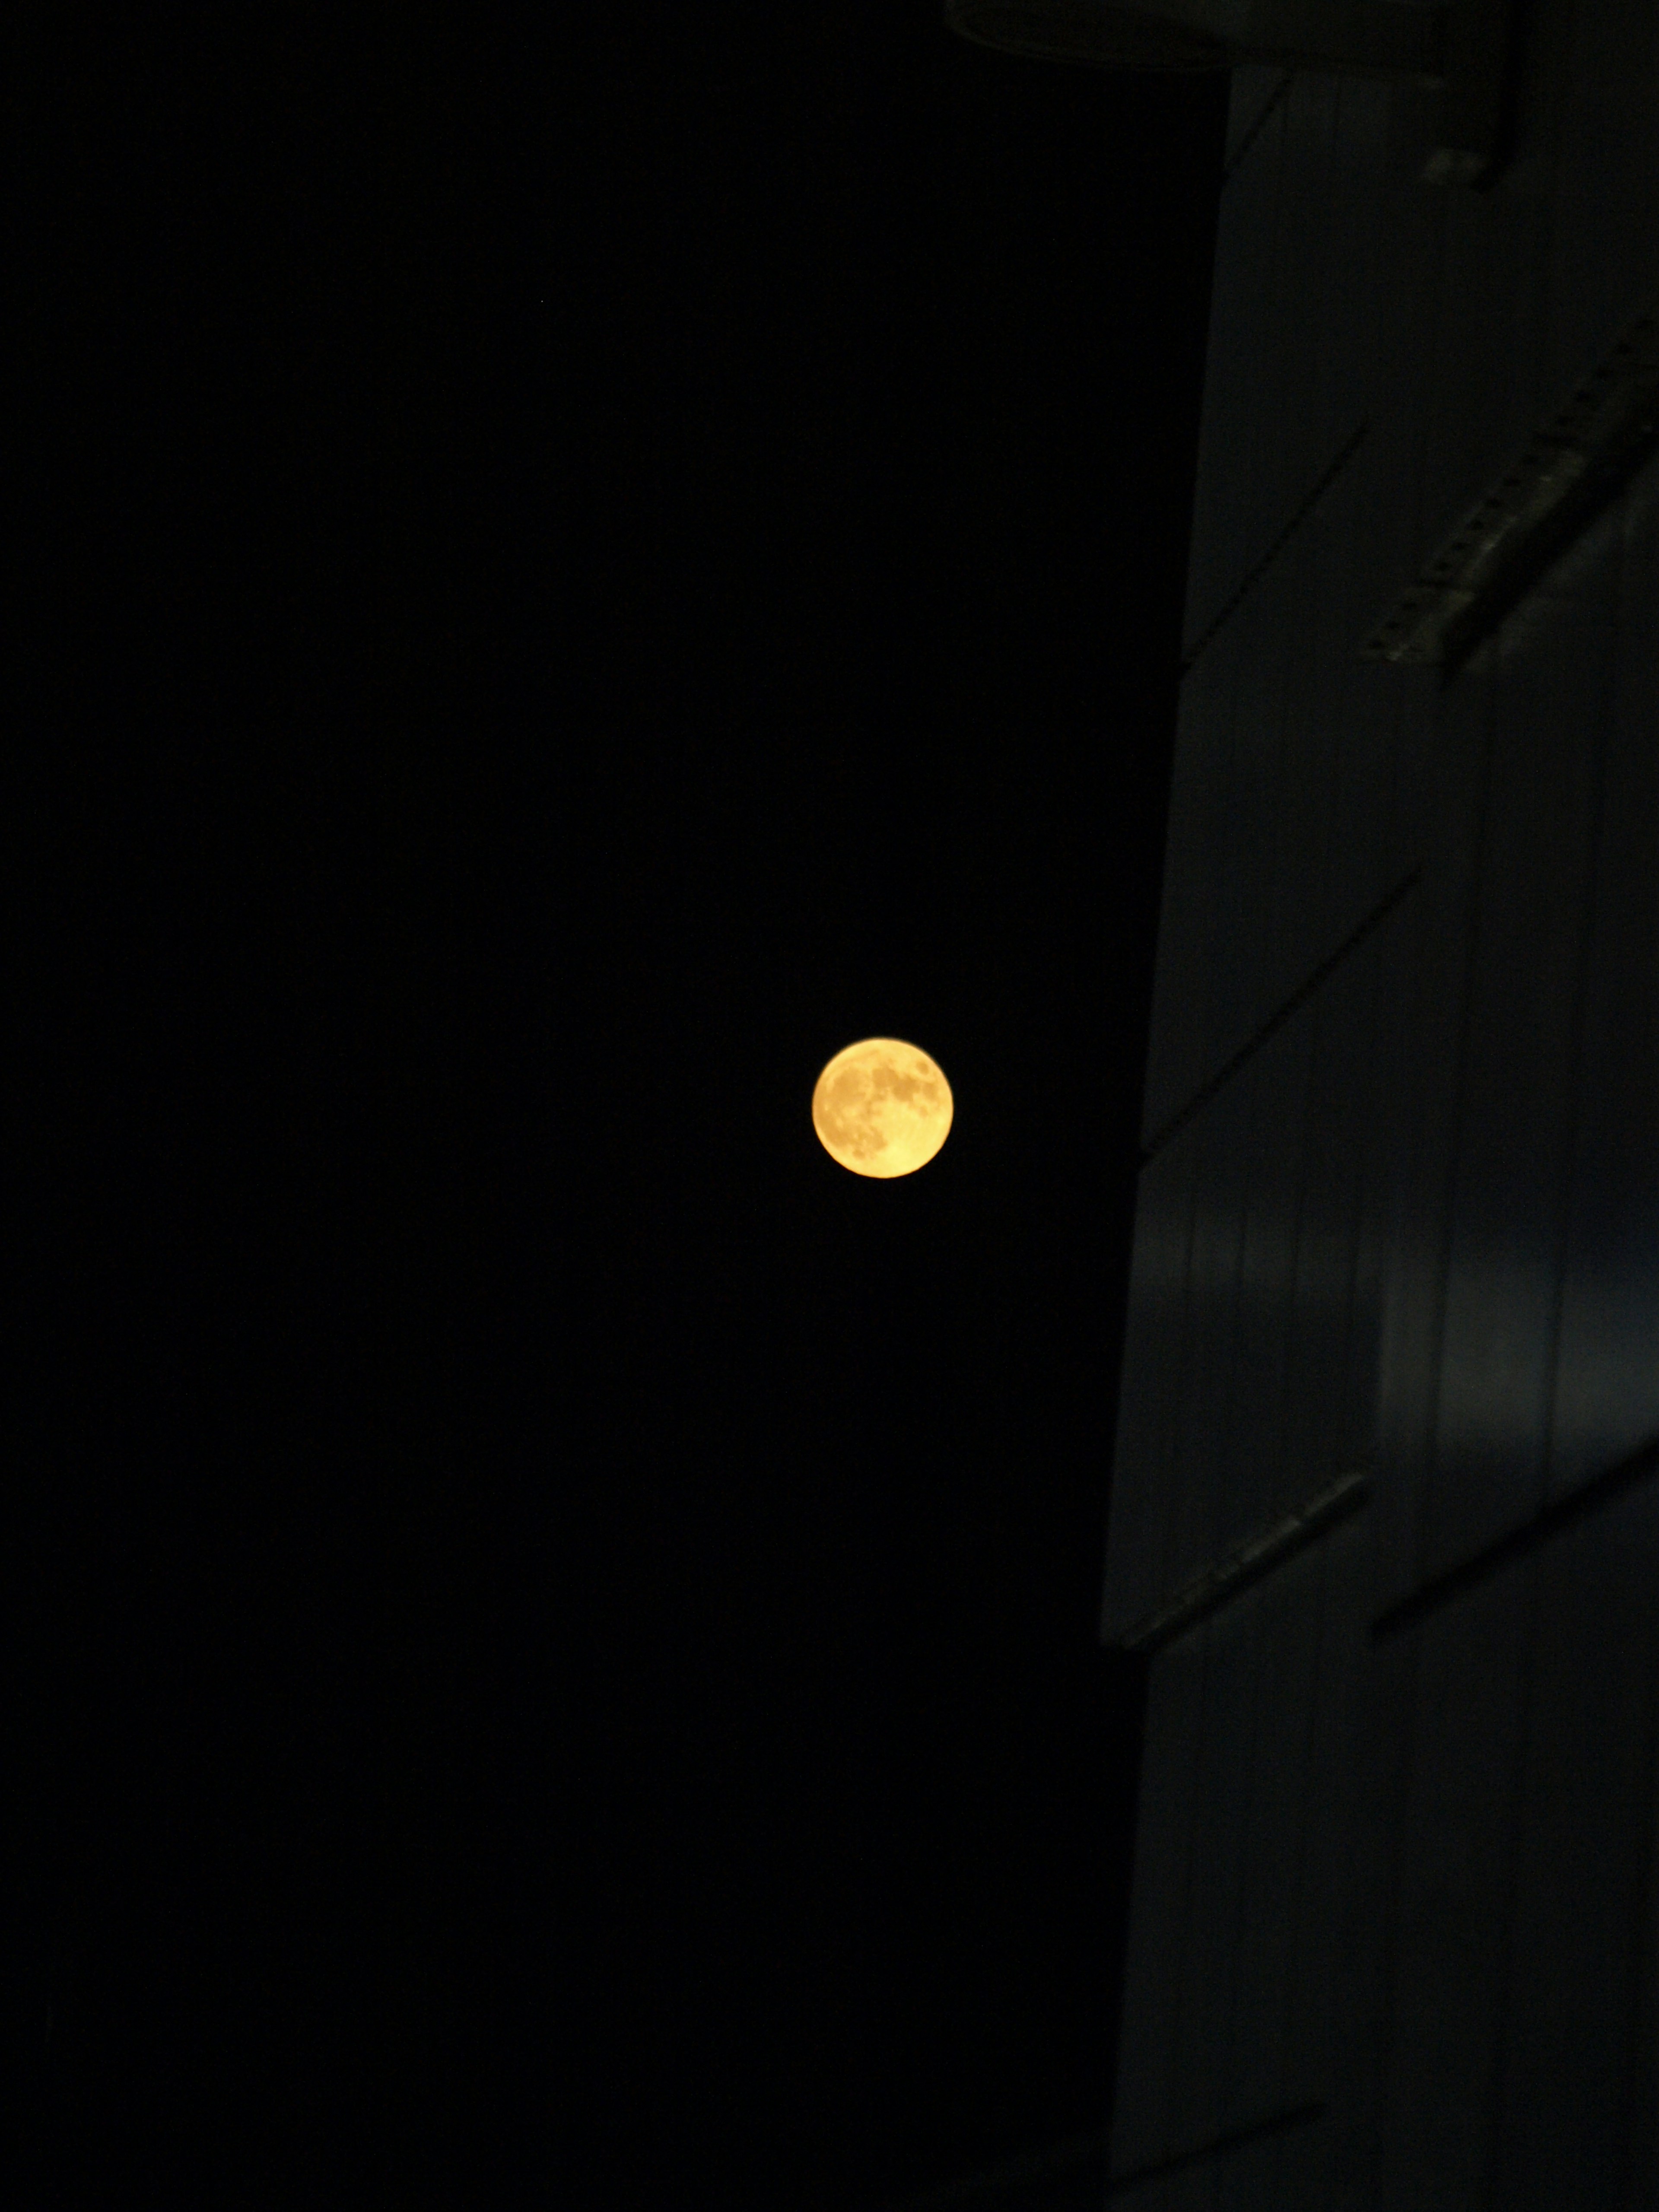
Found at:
[1457, 319]
[1281, 2172]
[1424, 1003]
[1593, 88]
[1357, 707]
[1310, 211]
[1242, 920]
[1356, 202]
[1221, 1135]
[1398, 329]
[1141, 2132]
[1549, 33]
[1316, 1369]
[1230, 423]
[1448, 1919]
[1484, 388]
[1314, 2044]
[1214, 559]
[1377, 1114]
[1257, 189]
[1298, 2179]
[1256, 1484]
[1346, 210]
[1332, 740]
[1415, 739]
[1267, 877]
[1585, 1837]
[1367, 527]
[1360, 1914]
[1254, 87]
[1291, 809]
[1276, 244]
[1195, 841]
[1227, 537]
[1187, 2191]
[1641, 2190]
[1607, 1394]
[1233, 896]
[1214, 1884]
[1142, 1474]
[1525, 986]
[1276, 1638]
[1411, 250]
[1248, 2179]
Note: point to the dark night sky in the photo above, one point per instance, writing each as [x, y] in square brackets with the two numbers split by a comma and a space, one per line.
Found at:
[558, 1627]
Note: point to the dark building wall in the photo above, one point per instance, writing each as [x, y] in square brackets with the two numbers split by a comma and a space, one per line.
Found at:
[1392, 1933]
[1065, 2176]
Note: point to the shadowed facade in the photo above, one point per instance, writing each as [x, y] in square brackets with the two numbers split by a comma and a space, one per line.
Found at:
[1385, 1506]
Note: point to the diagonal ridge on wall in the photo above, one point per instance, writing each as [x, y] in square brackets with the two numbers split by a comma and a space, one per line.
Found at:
[1248, 1563]
[1270, 108]
[1300, 2116]
[1276, 1021]
[1310, 499]
[1562, 1513]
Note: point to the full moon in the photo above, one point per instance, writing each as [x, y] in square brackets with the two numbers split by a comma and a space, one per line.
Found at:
[882, 1108]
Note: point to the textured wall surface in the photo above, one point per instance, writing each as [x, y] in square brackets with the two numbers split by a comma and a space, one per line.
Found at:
[1397, 1910]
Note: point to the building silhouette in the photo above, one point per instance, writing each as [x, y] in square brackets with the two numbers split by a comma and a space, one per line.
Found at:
[1385, 1506]
[1384, 1509]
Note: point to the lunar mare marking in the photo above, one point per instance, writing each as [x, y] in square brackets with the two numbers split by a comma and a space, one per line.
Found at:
[882, 1108]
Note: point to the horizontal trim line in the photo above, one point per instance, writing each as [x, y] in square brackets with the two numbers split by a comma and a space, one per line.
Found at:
[1571, 469]
[1275, 1021]
[1300, 2116]
[1208, 1591]
[1577, 1505]
[1253, 576]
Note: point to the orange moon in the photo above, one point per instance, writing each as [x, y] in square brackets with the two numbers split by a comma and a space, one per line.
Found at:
[882, 1108]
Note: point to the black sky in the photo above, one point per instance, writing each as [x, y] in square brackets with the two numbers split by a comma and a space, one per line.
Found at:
[595, 566]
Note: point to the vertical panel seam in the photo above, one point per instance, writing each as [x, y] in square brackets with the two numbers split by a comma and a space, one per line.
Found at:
[1174, 1429]
[1567, 1176]
[1299, 1880]
[1405, 1754]
[1452, 1175]
[1503, 1972]
[1194, 1818]
[1304, 1149]
[1642, 2003]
